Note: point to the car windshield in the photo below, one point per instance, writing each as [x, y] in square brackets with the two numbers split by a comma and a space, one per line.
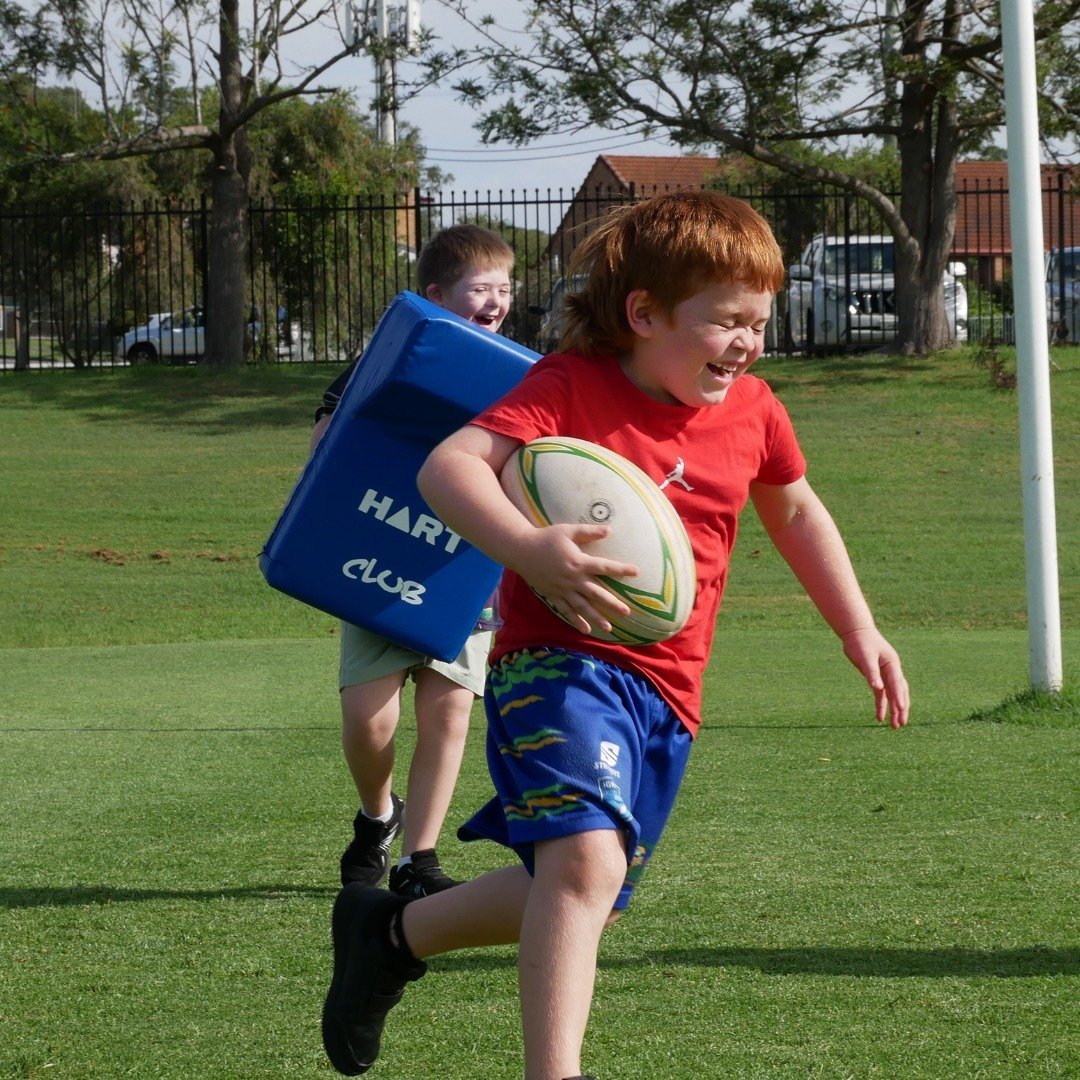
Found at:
[1067, 260]
[186, 319]
[863, 257]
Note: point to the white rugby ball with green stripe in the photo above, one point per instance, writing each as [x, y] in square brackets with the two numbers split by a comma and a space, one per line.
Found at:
[558, 480]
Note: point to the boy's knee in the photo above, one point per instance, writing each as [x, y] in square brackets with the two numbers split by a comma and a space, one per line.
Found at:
[358, 724]
[446, 720]
[590, 866]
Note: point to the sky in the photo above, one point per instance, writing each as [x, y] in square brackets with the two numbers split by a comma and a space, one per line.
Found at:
[446, 125]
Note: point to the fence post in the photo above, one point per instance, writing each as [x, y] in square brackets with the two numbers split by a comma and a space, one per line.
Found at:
[204, 261]
[418, 226]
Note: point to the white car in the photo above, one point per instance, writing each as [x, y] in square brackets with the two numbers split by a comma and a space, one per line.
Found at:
[1063, 293]
[181, 336]
[176, 335]
[842, 292]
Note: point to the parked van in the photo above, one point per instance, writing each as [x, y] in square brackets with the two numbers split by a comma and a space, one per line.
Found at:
[842, 292]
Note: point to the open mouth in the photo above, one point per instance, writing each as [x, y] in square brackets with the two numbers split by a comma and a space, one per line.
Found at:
[723, 370]
[483, 319]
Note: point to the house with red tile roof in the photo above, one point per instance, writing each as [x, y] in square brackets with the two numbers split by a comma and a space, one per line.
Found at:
[982, 222]
[618, 178]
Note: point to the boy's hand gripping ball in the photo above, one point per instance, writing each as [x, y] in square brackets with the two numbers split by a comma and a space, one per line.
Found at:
[559, 480]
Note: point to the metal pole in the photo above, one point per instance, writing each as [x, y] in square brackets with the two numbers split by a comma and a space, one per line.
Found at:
[1032, 348]
[387, 132]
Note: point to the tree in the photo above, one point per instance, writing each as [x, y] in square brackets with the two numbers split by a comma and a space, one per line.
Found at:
[304, 149]
[37, 251]
[781, 81]
[343, 186]
[133, 55]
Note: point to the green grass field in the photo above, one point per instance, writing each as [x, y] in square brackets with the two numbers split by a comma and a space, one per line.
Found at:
[832, 900]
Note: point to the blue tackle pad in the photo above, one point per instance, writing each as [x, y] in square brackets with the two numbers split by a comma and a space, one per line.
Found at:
[356, 539]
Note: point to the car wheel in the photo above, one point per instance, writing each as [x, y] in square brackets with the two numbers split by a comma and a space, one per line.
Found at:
[789, 336]
[811, 337]
[142, 354]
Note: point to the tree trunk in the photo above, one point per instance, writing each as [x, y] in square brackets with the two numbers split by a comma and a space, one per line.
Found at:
[928, 194]
[226, 264]
[226, 261]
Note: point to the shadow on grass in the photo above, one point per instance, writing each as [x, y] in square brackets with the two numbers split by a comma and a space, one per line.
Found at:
[90, 895]
[213, 402]
[931, 963]
[882, 963]
[941, 962]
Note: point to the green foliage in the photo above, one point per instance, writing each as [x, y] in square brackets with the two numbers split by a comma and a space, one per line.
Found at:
[39, 121]
[874, 165]
[767, 80]
[327, 148]
[300, 150]
[770, 73]
[986, 355]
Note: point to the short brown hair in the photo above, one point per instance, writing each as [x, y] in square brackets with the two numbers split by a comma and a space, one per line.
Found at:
[453, 250]
[672, 246]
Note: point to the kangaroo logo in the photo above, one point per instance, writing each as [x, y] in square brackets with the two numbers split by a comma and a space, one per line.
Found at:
[676, 476]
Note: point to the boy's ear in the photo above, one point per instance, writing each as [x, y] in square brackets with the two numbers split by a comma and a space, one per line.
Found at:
[640, 312]
[434, 293]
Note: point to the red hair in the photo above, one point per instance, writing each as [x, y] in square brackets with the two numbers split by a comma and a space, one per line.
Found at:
[672, 246]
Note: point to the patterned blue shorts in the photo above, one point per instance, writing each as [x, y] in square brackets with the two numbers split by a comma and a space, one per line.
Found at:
[576, 744]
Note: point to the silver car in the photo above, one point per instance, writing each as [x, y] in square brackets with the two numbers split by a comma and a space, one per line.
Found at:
[1063, 293]
[842, 291]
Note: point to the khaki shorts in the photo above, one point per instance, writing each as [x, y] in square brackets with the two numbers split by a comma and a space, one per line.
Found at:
[366, 656]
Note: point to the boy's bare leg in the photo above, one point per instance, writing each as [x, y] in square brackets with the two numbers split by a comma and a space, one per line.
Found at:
[442, 728]
[577, 880]
[484, 911]
[369, 718]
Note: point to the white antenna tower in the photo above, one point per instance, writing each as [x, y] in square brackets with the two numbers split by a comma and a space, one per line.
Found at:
[355, 22]
[398, 26]
[412, 27]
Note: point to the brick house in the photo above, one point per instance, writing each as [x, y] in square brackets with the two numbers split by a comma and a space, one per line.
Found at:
[983, 238]
[982, 223]
[614, 178]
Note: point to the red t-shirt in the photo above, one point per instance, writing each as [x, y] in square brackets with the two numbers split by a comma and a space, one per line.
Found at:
[704, 458]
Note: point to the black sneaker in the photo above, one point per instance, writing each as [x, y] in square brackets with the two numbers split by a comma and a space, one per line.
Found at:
[421, 877]
[369, 977]
[366, 858]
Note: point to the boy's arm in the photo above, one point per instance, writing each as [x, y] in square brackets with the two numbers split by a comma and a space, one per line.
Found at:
[319, 430]
[805, 534]
[460, 481]
[330, 399]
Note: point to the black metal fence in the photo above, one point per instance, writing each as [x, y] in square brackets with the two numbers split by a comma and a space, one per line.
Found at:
[117, 285]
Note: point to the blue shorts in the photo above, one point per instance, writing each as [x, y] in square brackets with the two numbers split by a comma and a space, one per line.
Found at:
[576, 744]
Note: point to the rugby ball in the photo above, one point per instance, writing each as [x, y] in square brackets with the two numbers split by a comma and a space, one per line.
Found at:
[558, 480]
